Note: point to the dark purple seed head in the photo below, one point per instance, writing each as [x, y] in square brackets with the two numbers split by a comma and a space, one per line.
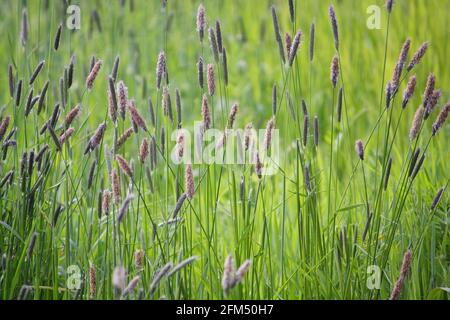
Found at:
[334, 26]
[359, 147]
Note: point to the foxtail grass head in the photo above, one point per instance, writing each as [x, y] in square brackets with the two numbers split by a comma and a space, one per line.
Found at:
[201, 22]
[160, 69]
[144, 150]
[189, 181]
[93, 74]
[400, 65]
[276, 28]
[440, 120]
[409, 91]
[124, 166]
[206, 113]
[431, 82]
[211, 80]
[416, 123]
[334, 71]
[359, 147]
[294, 48]
[417, 57]
[334, 26]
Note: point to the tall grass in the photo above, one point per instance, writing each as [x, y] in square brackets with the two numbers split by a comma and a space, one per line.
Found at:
[93, 206]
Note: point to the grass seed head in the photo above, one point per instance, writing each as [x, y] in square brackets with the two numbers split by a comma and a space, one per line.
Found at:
[388, 173]
[106, 201]
[389, 92]
[18, 92]
[36, 72]
[232, 116]
[334, 71]
[160, 69]
[115, 186]
[219, 36]
[295, 45]
[93, 74]
[406, 265]
[57, 41]
[124, 208]
[206, 115]
[97, 137]
[305, 130]
[180, 144]
[291, 10]
[409, 91]
[144, 150]
[124, 137]
[225, 66]
[288, 43]
[400, 64]
[11, 80]
[242, 270]
[119, 277]
[167, 103]
[189, 181]
[413, 162]
[416, 123]
[92, 282]
[201, 21]
[418, 55]
[66, 135]
[115, 68]
[124, 166]
[24, 30]
[31, 244]
[429, 89]
[248, 136]
[122, 92]
[211, 80]
[258, 166]
[158, 277]
[432, 102]
[228, 278]
[136, 117]
[389, 4]
[440, 120]
[131, 286]
[312, 33]
[268, 134]
[213, 44]
[436, 199]
[334, 26]
[359, 147]
[178, 105]
[112, 110]
[139, 256]
[4, 126]
[276, 28]
[316, 131]
[179, 205]
[274, 100]
[72, 115]
[182, 265]
[200, 71]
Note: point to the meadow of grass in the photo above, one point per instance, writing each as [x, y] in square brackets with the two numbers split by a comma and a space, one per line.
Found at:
[357, 208]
